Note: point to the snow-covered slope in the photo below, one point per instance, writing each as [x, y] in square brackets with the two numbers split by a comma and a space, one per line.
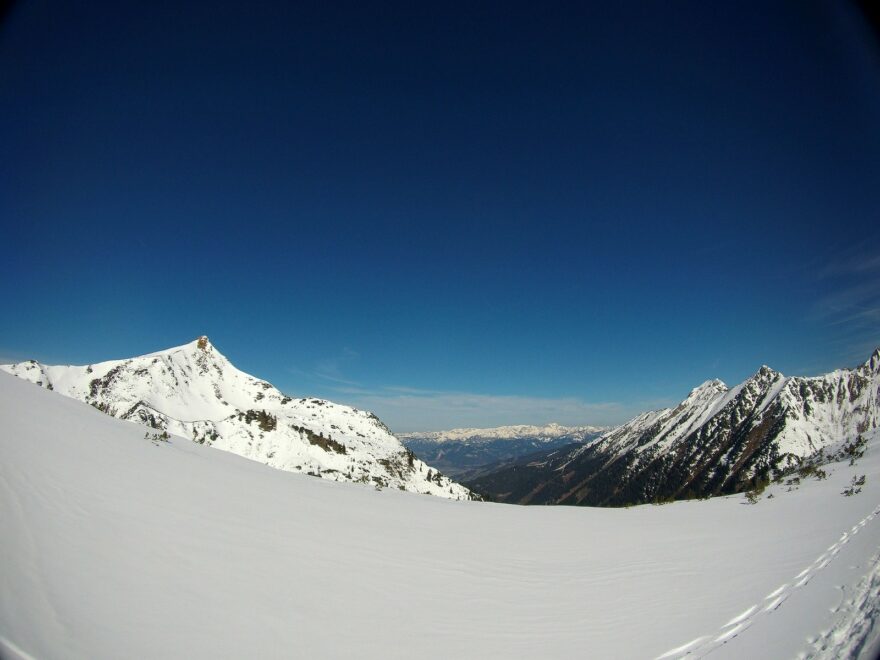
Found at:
[195, 392]
[716, 441]
[114, 546]
[468, 453]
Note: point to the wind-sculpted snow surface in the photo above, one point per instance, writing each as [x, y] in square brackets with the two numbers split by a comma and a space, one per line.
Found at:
[716, 441]
[117, 546]
[195, 392]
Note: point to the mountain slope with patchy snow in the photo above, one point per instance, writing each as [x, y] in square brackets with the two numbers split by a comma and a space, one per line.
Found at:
[195, 392]
[117, 546]
[718, 440]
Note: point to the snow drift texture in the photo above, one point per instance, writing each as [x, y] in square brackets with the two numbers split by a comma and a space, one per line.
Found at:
[195, 392]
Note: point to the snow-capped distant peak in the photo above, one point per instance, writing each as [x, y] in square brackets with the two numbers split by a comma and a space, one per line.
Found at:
[201, 343]
[708, 389]
[766, 371]
[517, 431]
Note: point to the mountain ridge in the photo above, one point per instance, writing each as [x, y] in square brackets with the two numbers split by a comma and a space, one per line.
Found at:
[718, 440]
[194, 391]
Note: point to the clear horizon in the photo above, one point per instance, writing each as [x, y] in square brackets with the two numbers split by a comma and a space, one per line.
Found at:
[452, 216]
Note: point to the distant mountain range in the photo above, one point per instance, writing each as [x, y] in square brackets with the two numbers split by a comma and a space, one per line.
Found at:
[468, 453]
[195, 392]
[718, 440]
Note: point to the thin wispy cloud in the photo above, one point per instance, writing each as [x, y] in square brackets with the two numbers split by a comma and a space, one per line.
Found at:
[335, 379]
[405, 408]
[330, 369]
[850, 306]
[853, 349]
[412, 409]
[849, 301]
[851, 262]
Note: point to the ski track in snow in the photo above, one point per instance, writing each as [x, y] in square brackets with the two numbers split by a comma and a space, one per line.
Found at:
[12, 651]
[860, 612]
[836, 642]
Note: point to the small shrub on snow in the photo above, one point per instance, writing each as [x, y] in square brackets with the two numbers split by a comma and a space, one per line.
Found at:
[855, 486]
[856, 449]
[156, 438]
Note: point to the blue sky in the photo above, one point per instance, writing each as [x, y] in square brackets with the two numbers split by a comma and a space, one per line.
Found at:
[452, 215]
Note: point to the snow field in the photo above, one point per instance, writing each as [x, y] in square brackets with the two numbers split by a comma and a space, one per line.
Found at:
[115, 546]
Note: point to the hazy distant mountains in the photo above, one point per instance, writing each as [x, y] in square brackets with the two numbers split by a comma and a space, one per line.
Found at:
[195, 392]
[467, 453]
[718, 440]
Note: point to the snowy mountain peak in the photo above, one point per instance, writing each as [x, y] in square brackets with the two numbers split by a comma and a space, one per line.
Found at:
[873, 363]
[710, 388]
[194, 391]
[714, 442]
[198, 346]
